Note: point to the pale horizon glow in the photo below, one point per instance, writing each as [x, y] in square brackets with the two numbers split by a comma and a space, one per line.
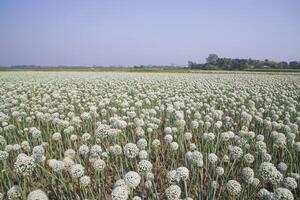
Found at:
[140, 32]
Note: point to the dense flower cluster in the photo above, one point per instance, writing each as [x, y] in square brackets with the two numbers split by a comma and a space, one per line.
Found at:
[149, 136]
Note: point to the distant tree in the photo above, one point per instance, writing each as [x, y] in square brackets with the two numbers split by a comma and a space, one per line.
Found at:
[283, 65]
[214, 62]
[293, 64]
[212, 59]
[191, 64]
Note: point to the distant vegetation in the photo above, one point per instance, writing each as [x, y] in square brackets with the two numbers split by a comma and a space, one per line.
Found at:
[213, 62]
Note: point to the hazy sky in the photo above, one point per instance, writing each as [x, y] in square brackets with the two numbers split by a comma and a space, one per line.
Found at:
[132, 32]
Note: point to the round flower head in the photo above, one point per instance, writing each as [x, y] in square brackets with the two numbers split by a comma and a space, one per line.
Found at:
[25, 146]
[235, 152]
[193, 146]
[148, 184]
[56, 165]
[115, 150]
[132, 179]
[197, 158]
[260, 146]
[104, 154]
[24, 165]
[73, 137]
[37, 195]
[233, 188]
[188, 136]
[99, 165]
[283, 194]
[85, 181]
[35, 132]
[144, 166]
[266, 157]
[136, 198]
[142, 144]
[248, 158]
[174, 146]
[268, 172]
[149, 176]
[212, 158]
[194, 124]
[168, 130]
[56, 136]
[263, 194]
[215, 185]
[168, 138]
[173, 192]
[226, 159]
[131, 150]
[77, 171]
[16, 147]
[295, 176]
[247, 174]
[255, 182]
[38, 152]
[9, 148]
[174, 130]
[280, 140]
[189, 155]
[120, 182]
[70, 153]
[96, 150]
[219, 171]
[209, 137]
[297, 147]
[226, 136]
[140, 132]
[173, 176]
[182, 173]
[143, 155]
[68, 162]
[84, 150]
[290, 182]
[2, 141]
[120, 193]
[45, 144]
[15, 192]
[282, 167]
[3, 155]
[260, 138]
[155, 143]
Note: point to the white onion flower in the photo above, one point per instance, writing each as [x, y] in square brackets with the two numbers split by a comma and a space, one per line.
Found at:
[15, 192]
[132, 179]
[130, 150]
[120, 193]
[182, 173]
[24, 165]
[37, 195]
[77, 170]
[233, 188]
[144, 166]
[173, 192]
[283, 194]
[85, 181]
[268, 172]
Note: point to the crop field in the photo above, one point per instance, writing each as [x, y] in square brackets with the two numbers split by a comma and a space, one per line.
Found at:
[167, 136]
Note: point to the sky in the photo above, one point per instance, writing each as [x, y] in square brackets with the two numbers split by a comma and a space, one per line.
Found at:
[142, 32]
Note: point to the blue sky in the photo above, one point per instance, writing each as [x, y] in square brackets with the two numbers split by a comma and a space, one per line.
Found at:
[134, 32]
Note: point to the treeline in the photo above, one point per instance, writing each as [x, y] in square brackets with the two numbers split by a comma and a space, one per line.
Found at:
[214, 62]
